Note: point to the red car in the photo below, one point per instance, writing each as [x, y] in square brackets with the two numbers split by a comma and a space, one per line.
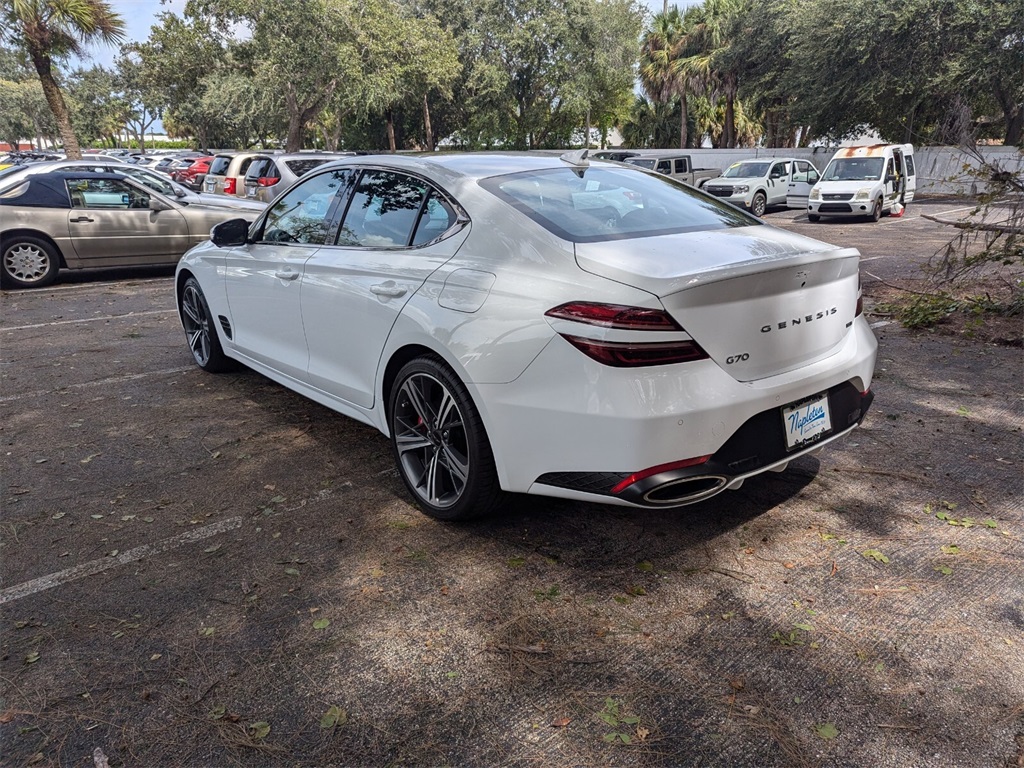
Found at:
[192, 177]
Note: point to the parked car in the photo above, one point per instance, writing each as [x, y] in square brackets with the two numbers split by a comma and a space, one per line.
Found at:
[155, 181]
[228, 178]
[865, 182]
[675, 164]
[758, 183]
[269, 175]
[192, 175]
[476, 311]
[77, 219]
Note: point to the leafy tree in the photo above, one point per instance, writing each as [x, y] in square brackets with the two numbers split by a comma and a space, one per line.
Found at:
[179, 57]
[99, 112]
[142, 98]
[52, 30]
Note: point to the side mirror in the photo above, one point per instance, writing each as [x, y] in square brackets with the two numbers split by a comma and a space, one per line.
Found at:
[891, 178]
[230, 233]
[155, 204]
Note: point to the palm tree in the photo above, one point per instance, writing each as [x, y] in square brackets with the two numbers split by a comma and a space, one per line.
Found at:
[711, 38]
[51, 30]
[660, 51]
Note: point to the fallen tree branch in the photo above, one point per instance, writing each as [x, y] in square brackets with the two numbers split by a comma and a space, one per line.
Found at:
[1002, 229]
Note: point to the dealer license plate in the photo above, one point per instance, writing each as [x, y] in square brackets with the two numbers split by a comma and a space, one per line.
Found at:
[807, 421]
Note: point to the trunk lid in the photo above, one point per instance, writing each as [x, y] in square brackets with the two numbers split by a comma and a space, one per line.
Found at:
[759, 300]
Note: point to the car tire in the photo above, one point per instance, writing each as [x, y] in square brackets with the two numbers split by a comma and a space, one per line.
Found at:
[759, 204]
[876, 211]
[439, 443]
[28, 262]
[201, 331]
[813, 218]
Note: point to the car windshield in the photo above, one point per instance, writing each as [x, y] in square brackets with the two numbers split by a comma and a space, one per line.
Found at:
[746, 170]
[586, 206]
[150, 179]
[854, 169]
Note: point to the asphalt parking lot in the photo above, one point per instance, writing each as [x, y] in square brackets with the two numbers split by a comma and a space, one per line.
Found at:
[205, 570]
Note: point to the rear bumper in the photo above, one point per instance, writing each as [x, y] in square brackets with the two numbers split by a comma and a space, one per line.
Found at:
[757, 446]
[573, 428]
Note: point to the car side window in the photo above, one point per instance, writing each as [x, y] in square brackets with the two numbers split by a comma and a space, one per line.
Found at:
[150, 180]
[801, 171]
[110, 194]
[383, 211]
[303, 215]
[779, 170]
[436, 218]
[664, 166]
[681, 165]
[910, 165]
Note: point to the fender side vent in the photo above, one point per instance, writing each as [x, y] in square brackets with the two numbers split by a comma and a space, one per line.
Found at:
[225, 324]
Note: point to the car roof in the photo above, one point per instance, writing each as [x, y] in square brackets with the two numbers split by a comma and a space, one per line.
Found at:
[47, 190]
[468, 165]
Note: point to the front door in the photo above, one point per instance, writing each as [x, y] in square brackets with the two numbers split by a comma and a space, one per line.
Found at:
[111, 221]
[265, 277]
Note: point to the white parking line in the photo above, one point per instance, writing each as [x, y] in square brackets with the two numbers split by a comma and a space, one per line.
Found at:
[97, 566]
[97, 383]
[90, 319]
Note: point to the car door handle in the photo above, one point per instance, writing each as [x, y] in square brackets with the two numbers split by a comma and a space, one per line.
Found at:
[286, 274]
[388, 289]
[80, 218]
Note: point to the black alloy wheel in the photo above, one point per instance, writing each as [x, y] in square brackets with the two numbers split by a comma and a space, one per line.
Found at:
[439, 443]
[203, 341]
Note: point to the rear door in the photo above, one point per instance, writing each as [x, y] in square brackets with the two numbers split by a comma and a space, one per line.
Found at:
[911, 173]
[396, 232]
[803, 178]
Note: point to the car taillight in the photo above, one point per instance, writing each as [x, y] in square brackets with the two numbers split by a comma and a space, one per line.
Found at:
[860, 299]
[267, 181]
[627, 354]
[619, 354]
[229, 185]
[615, 316]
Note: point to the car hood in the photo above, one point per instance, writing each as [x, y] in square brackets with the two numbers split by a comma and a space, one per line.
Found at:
[666, 264]
[734, 180]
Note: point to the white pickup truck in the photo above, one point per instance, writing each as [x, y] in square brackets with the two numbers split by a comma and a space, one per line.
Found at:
[675, 164]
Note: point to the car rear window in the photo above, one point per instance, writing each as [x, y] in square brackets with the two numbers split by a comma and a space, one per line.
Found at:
[300, 167]
[261, 168]
[220, 165]
[595, 204]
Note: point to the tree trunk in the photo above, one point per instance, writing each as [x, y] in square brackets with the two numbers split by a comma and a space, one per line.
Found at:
[389, 116]
[684, 119]
[426, 124]
[54, 97]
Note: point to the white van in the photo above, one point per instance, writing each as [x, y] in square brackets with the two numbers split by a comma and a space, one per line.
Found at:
[865, 182]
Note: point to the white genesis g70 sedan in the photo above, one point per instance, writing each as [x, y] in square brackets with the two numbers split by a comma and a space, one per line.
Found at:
[538, 324]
